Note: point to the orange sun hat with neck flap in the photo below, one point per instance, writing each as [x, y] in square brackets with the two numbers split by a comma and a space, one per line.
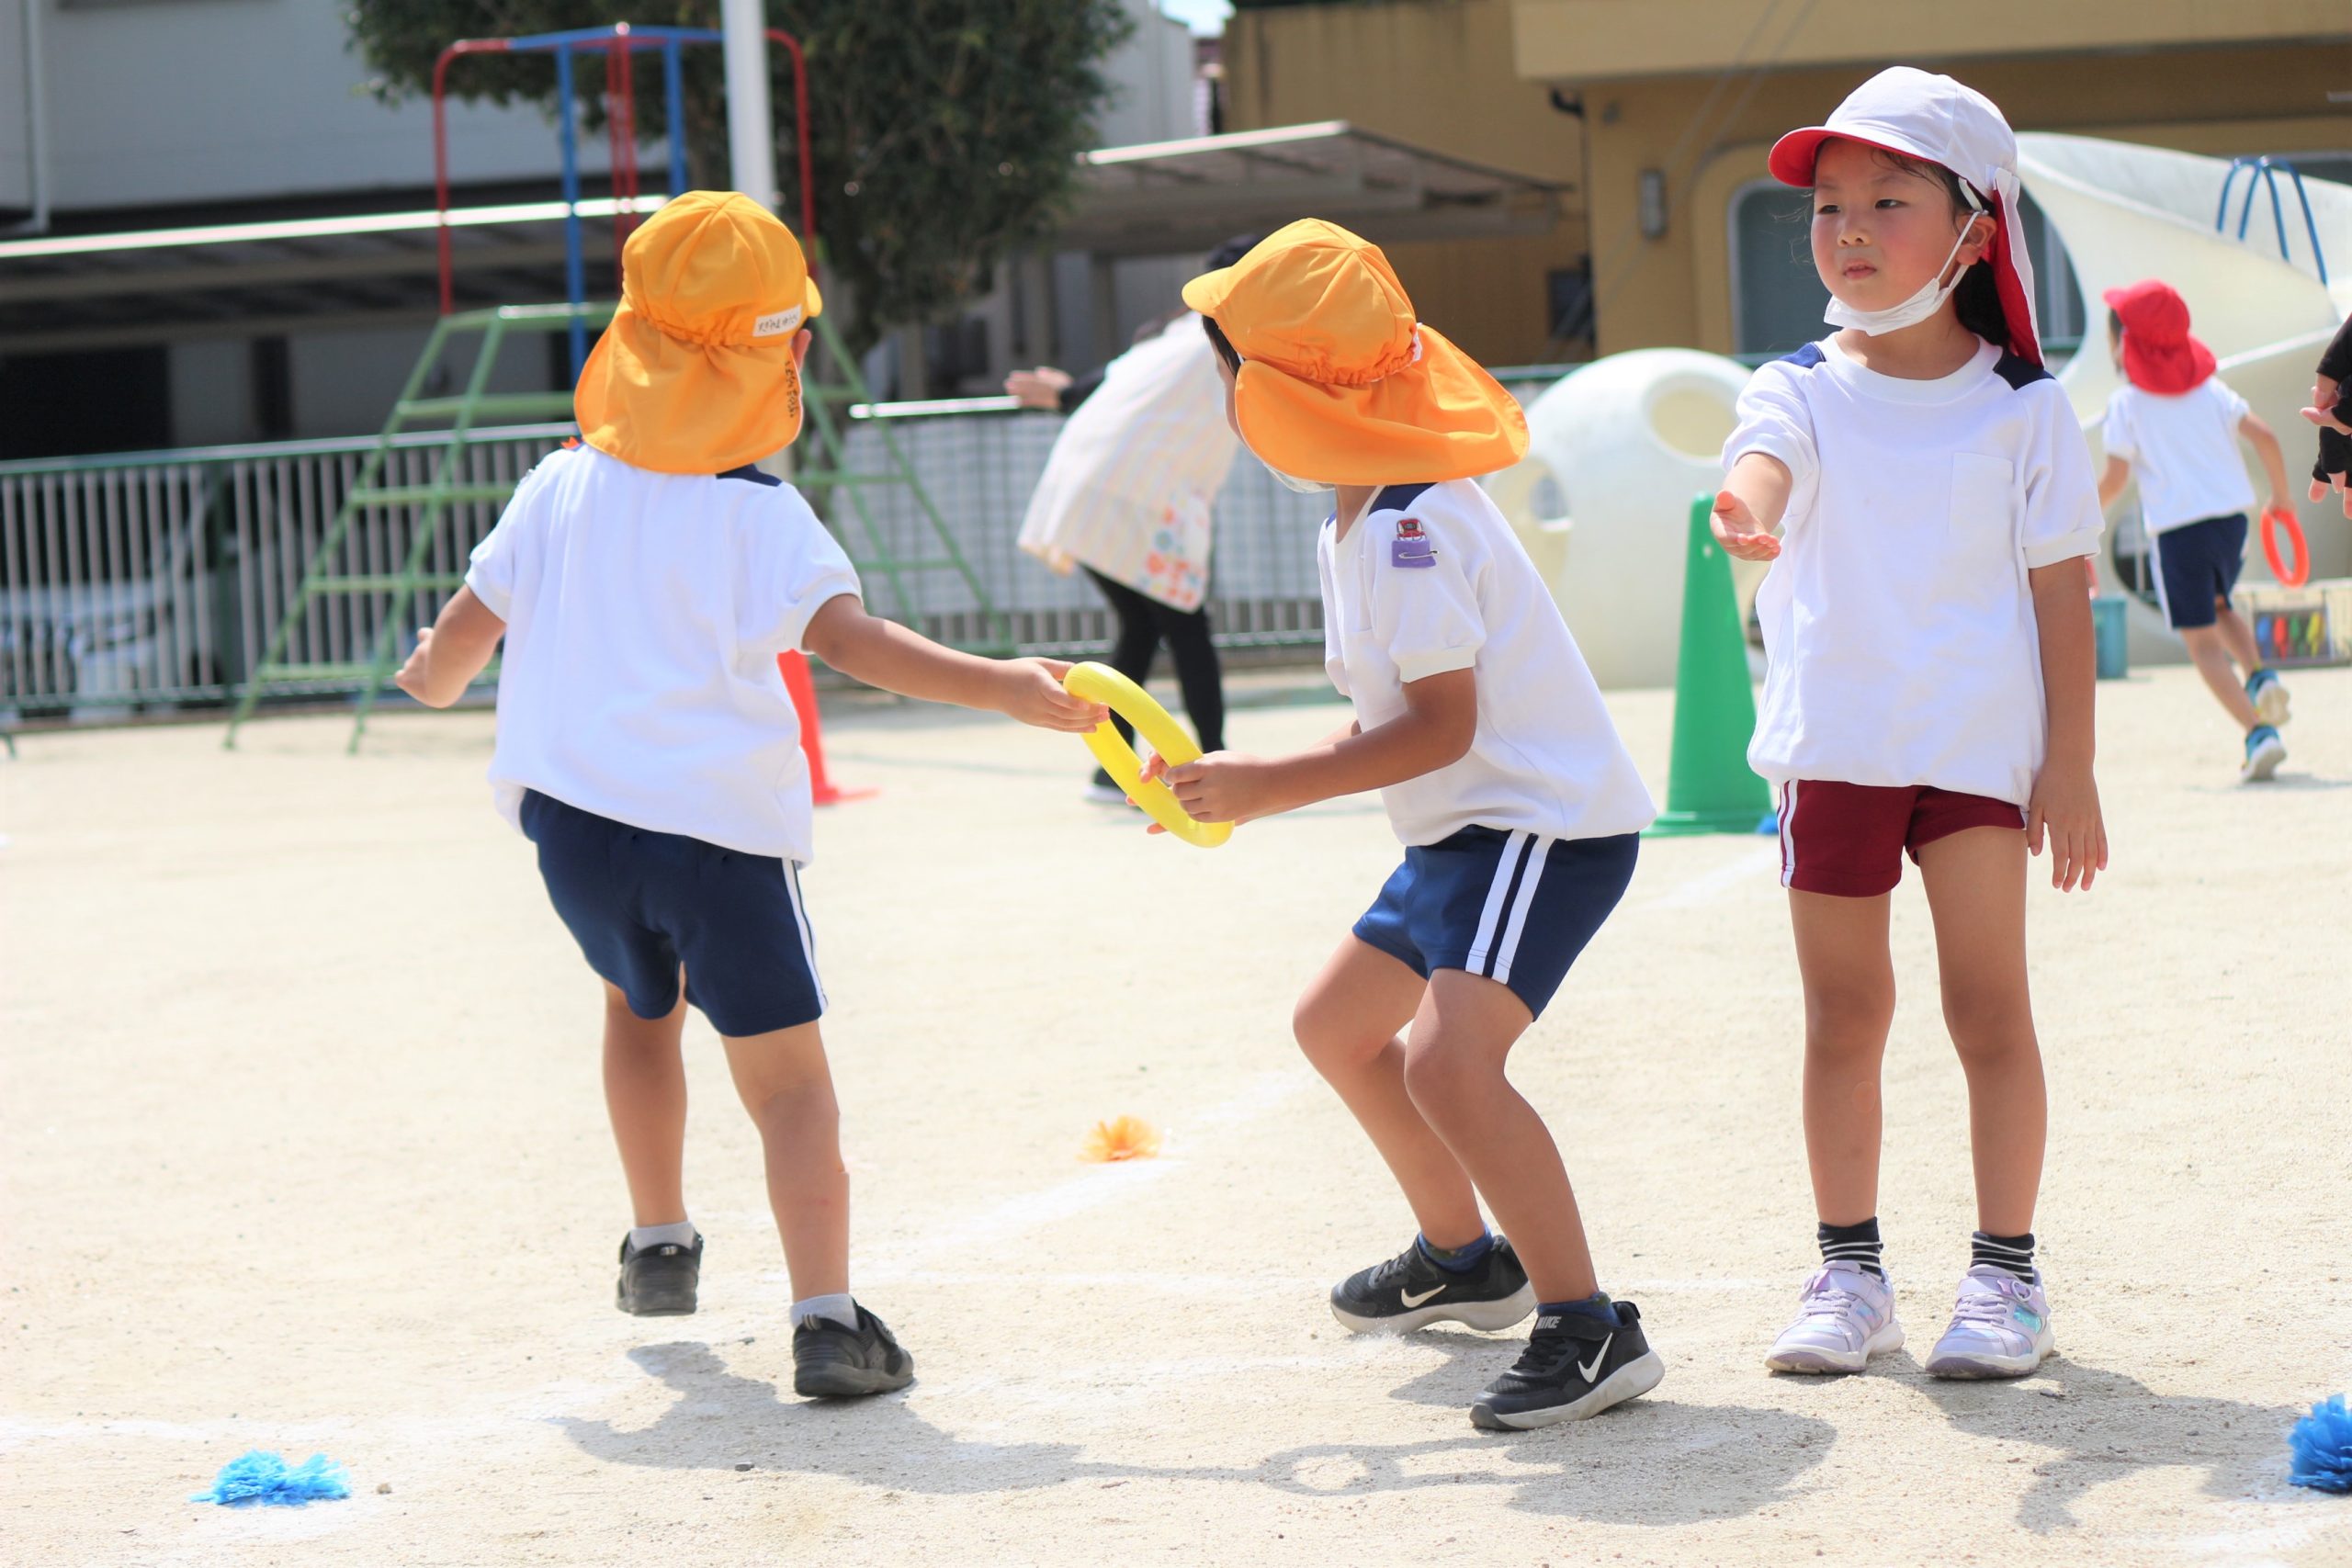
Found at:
[695, 374]
[1340, 381]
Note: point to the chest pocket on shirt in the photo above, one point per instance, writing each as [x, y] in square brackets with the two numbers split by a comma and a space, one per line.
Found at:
[1981, 543]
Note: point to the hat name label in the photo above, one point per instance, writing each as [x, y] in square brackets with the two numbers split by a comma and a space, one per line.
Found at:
[776, 322]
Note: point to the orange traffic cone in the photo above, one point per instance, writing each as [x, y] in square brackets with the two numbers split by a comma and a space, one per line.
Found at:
[821, 788]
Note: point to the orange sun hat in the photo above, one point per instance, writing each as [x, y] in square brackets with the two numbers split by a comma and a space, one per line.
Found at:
[1340, 382]
[695, 373]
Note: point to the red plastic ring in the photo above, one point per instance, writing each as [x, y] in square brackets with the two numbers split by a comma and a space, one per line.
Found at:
[2272, 521]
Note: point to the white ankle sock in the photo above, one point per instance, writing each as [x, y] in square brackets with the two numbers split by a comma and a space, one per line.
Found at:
[839, 1308]
[680, 1235]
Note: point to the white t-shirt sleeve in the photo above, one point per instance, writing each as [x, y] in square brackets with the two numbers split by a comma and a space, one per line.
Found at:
[2233, 408]
[2063, 519]
[497, 562]
[2117, 435]
[1427, 616]
[794, 567]
[1774, 419]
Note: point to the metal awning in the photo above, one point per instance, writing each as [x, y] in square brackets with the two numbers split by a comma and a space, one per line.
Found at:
[1165, 197]
[62, 291]
[82, 291]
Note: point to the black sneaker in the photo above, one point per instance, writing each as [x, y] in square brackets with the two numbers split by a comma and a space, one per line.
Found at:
[1411, 1290]
[832, 1362]
[659, 1281]
[1574, 1366]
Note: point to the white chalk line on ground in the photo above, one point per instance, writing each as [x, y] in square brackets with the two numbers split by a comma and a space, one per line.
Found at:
[1707, 885]
[1100, 1185]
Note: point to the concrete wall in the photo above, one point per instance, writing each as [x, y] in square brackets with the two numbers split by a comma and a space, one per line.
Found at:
[16, 105]
[1594, 40]
[225, 100]
[1440, 75]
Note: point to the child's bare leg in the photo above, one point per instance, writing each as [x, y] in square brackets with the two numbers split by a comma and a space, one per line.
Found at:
[2211, 657]
[1849, 1007]
[2237, 636]
[645, 1095]
[1346, 1023]
[1453, 1070]
[1975, 882]
[786, 1085]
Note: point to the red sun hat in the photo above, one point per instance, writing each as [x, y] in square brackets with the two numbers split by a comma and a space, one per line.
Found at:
[2159, 356]
[1922, 115]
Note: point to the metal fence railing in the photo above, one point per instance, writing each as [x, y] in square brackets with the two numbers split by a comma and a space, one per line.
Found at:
[153, 579]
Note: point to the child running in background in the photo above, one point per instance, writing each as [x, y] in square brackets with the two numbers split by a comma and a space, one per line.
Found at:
[1929, 683]
[2175, 425]
[645, 582]
[1518, 806]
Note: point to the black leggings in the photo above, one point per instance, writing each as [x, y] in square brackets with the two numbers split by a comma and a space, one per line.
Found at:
[1144, 622]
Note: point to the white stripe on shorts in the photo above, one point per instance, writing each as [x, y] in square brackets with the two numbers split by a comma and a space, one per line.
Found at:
[800, 922]
[2156, 570]
[1539, 853]
[1788, 831]
[1475, 960]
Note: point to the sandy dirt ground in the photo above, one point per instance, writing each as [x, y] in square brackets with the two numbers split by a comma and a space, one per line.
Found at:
[304, 1149]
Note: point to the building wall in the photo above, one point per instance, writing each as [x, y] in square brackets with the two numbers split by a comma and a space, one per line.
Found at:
[1677, 288]
[228, 100]
[1440, 75]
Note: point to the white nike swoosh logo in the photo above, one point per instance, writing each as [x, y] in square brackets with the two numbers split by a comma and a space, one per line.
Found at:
[1585, 1368]
[1411, 1300]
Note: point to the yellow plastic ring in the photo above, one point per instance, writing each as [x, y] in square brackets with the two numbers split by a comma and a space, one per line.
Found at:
[1101, 684]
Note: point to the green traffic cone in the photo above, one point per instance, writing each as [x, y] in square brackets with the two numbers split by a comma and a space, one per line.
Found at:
[1709, 788]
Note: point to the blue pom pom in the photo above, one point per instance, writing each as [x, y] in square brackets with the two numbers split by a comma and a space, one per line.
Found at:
[259, 1476]
[2321, 1444]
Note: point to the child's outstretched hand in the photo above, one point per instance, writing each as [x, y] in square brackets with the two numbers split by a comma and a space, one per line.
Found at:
[2065, 802]
[1738, 532]
[1224, 787]
[1031, 691]
[411, 677]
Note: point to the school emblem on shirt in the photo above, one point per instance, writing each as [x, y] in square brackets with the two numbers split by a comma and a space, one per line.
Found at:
[1411, 547]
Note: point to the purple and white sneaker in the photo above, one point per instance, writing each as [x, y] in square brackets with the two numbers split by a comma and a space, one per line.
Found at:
[1845, 1317]
[2000, 1329]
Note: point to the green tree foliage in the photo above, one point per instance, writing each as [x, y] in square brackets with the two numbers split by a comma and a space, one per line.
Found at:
[944, 132]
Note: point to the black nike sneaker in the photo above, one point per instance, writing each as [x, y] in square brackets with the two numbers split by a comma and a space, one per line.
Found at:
[1574, 1366]
[830, 1361]
[1411, 1290]
[659, 1281]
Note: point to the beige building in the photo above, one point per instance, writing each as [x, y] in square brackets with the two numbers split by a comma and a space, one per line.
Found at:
[1658, 113]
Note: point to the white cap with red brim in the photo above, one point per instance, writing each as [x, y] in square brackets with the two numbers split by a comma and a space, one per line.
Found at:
[1922, 115]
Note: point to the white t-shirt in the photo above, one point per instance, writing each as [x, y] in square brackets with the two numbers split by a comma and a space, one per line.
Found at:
[1128, 486]
[2183, 451]
[1545, 758]
[644, 612]
[1897, 619]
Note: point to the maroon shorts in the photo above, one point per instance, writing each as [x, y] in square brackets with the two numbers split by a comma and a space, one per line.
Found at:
[1848, 839]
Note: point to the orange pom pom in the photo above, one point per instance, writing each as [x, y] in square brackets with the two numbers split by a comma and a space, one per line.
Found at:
[1124, 1137]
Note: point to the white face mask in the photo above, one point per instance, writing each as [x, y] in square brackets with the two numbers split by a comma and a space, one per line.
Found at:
[1911, 311]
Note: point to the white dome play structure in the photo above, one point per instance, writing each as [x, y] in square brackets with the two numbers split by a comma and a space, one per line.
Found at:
[1618, 448]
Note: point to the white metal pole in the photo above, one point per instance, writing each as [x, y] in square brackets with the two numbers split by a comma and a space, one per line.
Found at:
[751, 132]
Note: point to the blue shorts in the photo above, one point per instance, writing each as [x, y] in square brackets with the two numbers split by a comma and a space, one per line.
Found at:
[2197, 565]
[1517, 907]
[641, 904]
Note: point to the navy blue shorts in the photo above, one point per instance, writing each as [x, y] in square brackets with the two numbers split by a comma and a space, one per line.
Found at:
[641, 904]
[1516, 907]
[2197, 565]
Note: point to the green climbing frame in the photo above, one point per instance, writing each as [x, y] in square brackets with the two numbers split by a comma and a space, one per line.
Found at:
[828, 399]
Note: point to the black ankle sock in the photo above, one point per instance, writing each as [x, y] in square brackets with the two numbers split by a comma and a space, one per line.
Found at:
[1459, 1259]
[1596, 1306]
[1856, 1244]
[2013, 1254]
